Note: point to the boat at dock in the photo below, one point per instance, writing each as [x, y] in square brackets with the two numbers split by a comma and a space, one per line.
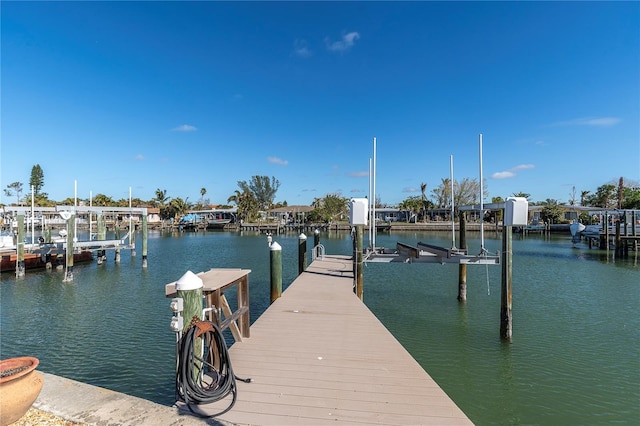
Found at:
[207, 219]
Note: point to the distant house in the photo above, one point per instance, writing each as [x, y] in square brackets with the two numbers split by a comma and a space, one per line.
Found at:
[153, 215]
[289, 214]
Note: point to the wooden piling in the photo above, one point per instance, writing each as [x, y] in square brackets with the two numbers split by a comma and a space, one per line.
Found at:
[506, 328]
[189, 288]
[302, 253]
[117, 231]
[357, 259]
[275, 256]
[618, 248]
[71, 235]
[132, 236]
[316, 237]
[144, 240]
[462, 267]
[20, 268]
[102, 235]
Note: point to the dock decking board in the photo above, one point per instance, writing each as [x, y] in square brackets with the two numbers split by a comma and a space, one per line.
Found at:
[317, 355]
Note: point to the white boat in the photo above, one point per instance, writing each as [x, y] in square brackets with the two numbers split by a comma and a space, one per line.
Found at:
[576, 227]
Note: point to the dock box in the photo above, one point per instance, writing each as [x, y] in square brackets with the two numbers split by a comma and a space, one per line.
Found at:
[359, 211]
[516, 211]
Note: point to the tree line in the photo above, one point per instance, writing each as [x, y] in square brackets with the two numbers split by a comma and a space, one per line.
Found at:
[259, 193]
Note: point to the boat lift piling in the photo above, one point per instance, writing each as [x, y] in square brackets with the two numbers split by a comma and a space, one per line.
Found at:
[462, 267]
[71, 236]
[20, 247]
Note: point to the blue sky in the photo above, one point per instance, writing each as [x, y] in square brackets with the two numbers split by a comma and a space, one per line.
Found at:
[180, 96]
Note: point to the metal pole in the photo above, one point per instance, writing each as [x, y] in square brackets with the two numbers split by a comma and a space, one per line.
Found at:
[482, 249]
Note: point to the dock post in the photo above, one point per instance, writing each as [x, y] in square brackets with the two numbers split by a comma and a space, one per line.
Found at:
[117, 231]
[71, 235]
[506, 328]
[357, 259]
[189, 288]
[275, 256]
[462, 267]
[144, 240]
[132, 239]
[102, 235]
[618, 248]
[20, 247]
[302, 253]
[316, 237]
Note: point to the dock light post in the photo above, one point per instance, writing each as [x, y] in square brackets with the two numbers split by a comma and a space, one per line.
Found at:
[302, 253]
[275, 256]
[316, 237]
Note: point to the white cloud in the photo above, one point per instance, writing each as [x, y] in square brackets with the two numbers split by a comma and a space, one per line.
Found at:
[139, 157]
[358, 174]
[590, 121]
[511, 172]
[502, 175]
[355, 190]
[522, 167]
[343, 45]
[301, 49]
[276, 160]
[185, 128]
[410, 189]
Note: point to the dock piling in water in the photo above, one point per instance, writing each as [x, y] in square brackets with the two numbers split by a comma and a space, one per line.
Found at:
[275, 257]
[506, 329]
[302, 253]
[462, 267]
[20, 247]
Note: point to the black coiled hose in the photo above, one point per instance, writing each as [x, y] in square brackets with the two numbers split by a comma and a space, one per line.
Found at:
[198, 381]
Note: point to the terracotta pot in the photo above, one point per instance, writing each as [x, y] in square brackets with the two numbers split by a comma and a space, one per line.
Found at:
[20, 385]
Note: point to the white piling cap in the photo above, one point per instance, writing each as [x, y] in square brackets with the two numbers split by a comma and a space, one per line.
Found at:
[275, 246]
[189, 281]
[302, 236]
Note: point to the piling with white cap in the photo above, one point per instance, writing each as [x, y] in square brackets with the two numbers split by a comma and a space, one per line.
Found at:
[275, 256]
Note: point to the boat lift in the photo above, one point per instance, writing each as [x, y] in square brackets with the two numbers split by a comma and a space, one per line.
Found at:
[429, 253]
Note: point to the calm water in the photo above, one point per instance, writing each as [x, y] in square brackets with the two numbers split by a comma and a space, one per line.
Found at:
[574, 359]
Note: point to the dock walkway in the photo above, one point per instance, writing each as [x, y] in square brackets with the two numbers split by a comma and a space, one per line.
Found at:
[318, 355]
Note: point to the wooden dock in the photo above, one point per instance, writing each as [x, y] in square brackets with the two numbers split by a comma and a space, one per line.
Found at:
[319, 356]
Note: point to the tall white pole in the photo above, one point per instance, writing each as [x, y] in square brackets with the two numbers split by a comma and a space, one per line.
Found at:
[373, 199]
[453, 223]
[370, 203]
[482, 250]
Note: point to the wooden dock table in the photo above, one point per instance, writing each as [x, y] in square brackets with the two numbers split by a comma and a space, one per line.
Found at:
[214, 283]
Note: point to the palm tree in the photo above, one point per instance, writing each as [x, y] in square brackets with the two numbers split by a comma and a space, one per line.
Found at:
[179, 207]
[423, 188]
[202, 192]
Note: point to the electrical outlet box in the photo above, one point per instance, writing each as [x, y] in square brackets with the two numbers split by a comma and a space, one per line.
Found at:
[516, 211]
[359, 211]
